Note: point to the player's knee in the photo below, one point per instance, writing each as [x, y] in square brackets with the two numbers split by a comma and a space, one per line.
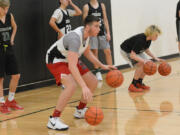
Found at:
[16, 77]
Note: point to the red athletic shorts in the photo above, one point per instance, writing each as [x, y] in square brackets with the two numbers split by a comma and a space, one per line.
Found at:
[60, 68]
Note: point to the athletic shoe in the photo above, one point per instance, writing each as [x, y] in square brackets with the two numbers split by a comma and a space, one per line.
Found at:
[133, 88]
[13, 105]
[79, 113]
[56, 124]
[4, 109]
[143, 86]
[99, 76]
[62, 86]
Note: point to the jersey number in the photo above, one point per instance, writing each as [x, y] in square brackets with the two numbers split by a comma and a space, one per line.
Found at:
[6, 36]
[68, 28]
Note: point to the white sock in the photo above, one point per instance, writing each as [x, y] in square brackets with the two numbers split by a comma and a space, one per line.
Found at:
[11, 96]
[2, 100]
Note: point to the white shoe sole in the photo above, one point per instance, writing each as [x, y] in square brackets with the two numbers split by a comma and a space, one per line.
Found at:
[51, 127]
[78, 117]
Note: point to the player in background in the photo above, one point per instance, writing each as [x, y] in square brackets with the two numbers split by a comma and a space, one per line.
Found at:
[102, 40]
[60, 20]
[8, 62]
[133, 50]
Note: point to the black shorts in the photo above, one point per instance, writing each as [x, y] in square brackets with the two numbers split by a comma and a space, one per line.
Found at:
[178, 28]
[8, 62]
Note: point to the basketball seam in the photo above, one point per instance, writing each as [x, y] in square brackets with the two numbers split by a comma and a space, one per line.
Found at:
[95, 117]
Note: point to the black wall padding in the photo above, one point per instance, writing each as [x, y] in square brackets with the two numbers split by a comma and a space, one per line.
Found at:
[35, 36]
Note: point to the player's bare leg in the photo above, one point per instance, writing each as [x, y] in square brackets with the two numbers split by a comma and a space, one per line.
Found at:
[91, 82]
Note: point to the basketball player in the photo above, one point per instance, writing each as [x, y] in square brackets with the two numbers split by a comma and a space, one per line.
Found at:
[62, 61]
[8, 63]
[60, 20]
[102, 40]
[178, 23]
[133, 50]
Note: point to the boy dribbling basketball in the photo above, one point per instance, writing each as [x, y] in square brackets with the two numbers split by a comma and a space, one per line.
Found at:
[62, 60]
[133, 50]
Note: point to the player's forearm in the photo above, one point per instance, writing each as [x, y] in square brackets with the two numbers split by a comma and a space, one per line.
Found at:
[14, 32]
[106, 24]
[77, 9]
[90, 56]
[148, 52]
[54, 26]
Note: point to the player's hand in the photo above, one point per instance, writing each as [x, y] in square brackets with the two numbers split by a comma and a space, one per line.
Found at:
[12, 41]
[108, 67]
[108, 37]
[60, 34]
[159, 60]
[70, 2]
[87, 94]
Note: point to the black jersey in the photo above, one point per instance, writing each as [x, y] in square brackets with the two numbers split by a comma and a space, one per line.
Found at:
[137, 43]
[98, 13]
[5, 31]
[65, 23]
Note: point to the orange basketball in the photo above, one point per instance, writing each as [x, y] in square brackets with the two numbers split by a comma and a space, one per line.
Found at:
[114, 78]
[164, 69]
[150, 68]
[94, 116]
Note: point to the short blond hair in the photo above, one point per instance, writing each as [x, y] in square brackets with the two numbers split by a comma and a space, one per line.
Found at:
[152, 29]
[4, 3]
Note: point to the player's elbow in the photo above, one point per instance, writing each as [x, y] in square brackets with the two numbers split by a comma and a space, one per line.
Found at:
[51, 22]
[15, 27]
[80, 13]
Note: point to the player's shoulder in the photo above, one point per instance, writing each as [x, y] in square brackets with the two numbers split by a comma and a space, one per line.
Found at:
[57, 10]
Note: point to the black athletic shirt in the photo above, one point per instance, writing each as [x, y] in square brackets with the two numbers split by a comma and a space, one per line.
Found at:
[65, 23]
[137, 43]
[5, 31]
[98, 13]
[177, 10]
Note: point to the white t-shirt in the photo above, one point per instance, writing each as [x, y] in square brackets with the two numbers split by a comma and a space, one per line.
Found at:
[59, 15]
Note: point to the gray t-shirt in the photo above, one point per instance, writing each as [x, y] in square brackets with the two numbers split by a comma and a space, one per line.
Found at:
[72, 41]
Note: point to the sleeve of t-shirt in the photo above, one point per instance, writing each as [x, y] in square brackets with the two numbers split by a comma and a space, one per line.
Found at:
[90, 40]
[71, 12]
[57, 14]
[72, 42]
[138, 46]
